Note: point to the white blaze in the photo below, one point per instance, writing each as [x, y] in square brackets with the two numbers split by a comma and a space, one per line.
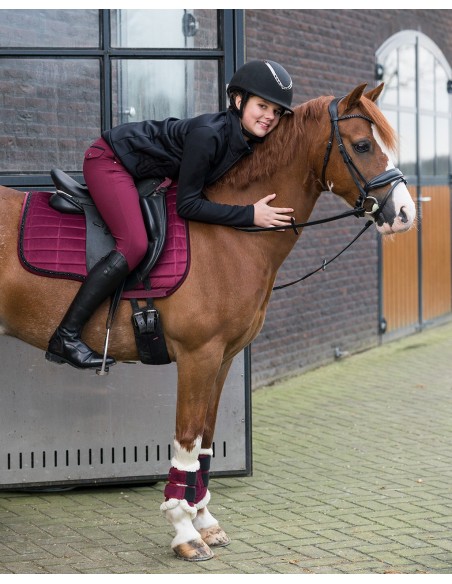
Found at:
[403, 203]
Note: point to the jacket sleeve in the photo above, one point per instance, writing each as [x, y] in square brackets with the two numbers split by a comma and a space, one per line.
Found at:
[200, 150]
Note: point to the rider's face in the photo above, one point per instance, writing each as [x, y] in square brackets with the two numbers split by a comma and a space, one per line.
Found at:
[260, 116]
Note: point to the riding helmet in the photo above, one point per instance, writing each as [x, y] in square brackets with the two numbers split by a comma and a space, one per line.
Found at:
[266, 79]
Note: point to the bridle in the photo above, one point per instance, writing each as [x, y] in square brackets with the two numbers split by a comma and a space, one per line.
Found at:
[365, 204]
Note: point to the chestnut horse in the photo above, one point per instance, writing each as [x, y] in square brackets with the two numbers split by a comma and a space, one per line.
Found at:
[220, 307]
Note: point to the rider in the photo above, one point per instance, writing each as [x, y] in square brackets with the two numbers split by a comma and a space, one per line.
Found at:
[196, 152]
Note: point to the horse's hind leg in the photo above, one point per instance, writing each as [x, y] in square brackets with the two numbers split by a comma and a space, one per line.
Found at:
[204, 522]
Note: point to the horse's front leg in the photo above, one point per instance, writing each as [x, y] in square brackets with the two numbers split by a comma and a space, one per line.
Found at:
[179, 505]
[204, 522]
[197, 373]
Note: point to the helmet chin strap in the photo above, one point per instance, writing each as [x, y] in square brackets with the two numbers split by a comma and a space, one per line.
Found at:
[252, 136]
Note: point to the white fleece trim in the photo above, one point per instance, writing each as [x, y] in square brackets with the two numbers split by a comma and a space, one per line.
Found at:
[204, 501]
[173, 503]
[184, 459]
[186, 467]
[208, 451]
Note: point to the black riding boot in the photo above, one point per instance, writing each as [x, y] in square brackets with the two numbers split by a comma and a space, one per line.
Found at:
[66, 346]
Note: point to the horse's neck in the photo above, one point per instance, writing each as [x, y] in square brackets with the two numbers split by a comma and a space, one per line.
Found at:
[295, 186]
[295, 189]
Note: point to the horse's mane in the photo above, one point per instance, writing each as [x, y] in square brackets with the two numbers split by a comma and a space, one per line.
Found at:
[278, 150]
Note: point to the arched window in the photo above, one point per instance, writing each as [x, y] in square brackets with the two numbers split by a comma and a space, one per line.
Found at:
[417, 101]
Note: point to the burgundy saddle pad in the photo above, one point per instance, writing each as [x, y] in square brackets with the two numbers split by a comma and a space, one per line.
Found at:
[52, 244]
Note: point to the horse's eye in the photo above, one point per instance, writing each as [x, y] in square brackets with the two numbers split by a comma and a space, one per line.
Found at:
[361, 147]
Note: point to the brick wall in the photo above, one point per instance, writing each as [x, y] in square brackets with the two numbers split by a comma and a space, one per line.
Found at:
[328, 52]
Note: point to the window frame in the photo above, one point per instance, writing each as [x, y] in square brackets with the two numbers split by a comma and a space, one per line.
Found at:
[229, 54]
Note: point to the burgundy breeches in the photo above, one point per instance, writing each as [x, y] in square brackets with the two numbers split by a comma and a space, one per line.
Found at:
[117, 200]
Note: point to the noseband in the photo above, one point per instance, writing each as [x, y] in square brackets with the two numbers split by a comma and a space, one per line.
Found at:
[365, 204]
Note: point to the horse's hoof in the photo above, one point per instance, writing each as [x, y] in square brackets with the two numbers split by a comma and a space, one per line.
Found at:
[193, 551]
[215, 536]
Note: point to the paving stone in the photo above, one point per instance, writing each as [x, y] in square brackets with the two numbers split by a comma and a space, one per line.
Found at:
[352, 473]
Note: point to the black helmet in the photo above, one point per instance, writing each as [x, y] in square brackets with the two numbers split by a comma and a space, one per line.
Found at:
[266, 79]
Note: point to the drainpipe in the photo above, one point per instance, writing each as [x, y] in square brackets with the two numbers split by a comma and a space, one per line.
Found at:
[419, 200]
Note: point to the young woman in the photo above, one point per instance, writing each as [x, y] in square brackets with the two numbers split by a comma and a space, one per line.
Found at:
[196, 152]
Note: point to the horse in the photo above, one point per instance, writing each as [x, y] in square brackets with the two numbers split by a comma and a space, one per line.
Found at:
[339, 144]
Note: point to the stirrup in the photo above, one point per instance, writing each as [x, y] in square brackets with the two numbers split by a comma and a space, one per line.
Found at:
[104, 370]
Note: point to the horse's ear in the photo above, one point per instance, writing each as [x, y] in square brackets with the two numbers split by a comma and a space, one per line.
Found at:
[374, 93]
[352, 99]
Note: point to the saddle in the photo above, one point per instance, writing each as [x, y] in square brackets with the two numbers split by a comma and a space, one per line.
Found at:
[62, 235]
[73, 198]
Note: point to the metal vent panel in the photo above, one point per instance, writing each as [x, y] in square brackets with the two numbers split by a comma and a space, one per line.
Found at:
[64, 426]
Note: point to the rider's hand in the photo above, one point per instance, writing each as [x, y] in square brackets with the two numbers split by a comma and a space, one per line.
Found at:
[266, 216]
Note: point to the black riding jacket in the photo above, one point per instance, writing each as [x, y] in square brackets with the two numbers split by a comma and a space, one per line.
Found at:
[196, 152]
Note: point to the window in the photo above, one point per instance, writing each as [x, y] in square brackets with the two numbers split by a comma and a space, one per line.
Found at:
[67, 75]
[417, 102]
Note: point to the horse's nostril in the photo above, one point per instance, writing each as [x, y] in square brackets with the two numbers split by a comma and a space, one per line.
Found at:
[402, 215]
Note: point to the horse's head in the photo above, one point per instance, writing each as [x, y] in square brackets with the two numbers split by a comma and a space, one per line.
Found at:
[357, 164]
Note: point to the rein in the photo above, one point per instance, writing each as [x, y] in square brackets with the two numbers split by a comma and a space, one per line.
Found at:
[325, 262]
[361, 207]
